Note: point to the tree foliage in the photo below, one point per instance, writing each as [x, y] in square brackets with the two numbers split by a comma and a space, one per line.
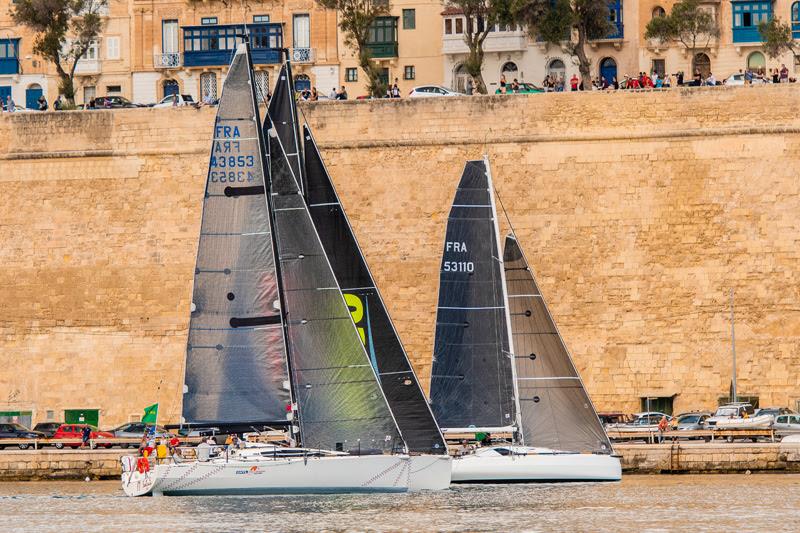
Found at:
[568, 23]
[65, 31]
[356, 17]
[688, 23]
[481, 16]
[777, 37]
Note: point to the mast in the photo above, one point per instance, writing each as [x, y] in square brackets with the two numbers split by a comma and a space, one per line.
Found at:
[520, 437]
[733, 352]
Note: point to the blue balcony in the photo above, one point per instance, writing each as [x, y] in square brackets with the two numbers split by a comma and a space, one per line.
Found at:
[214, 45]
[796, 20]
[9, 56]
[747, 15]
[617, 32]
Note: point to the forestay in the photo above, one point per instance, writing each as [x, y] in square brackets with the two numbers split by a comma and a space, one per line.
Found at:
[341, 406]
[375, 328]
[235, 358]
[555, 410]
[472, 382]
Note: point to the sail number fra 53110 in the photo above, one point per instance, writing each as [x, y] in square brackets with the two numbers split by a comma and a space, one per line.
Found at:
[451, 247]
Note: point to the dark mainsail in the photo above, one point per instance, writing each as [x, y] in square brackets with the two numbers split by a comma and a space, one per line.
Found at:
[555, 410]
[235, 358]
[340, 403]
[472, 378]
[399, 383]
[283, 114]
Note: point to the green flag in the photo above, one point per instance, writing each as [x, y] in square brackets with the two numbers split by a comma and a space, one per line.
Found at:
[150, 414]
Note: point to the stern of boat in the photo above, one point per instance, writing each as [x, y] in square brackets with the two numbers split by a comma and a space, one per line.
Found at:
[430, 472]
[138, 476]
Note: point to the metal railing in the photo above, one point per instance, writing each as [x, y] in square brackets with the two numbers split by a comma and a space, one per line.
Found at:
[303, 55]
[171, 60]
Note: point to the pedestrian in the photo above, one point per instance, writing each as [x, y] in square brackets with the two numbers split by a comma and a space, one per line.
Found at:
[395, 89]
[42, 101]
[342, 95]
[573, 82]
[57, 104]
[680, 77]
[784, 74]
[469, 88]
[10, 107]
[662, 428]
[314, 94]
[334, 95]
[502, 84]
[748, 77]
[86, 432]
[711, 80]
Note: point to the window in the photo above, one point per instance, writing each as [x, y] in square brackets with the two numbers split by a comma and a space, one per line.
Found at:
[796, 20]
[89, 92]
[301, 31]
[208, 86]
[112, 48]
[262, 85]
[509, 69]
[459, 25]
[659, 67]
[409, 73]
[208, 20]
[384, 76]
[169, 36]
[615, 17]
[657, 404]
[658, 11]
[92, 52]
[747, 15]
[351, 74]
[51, 414]
[383, 30]
[260, 18]
[409, 19]
[113, 89]
[756, 61]
[448, 26]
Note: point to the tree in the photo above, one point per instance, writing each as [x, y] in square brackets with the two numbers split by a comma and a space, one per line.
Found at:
[777, 37]
[687, 23]
[65, 31]
[481, 16]
[356, 19]
[568, 23]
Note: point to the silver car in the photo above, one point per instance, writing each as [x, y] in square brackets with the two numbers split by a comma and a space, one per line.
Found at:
[787, 424]
[135, 430]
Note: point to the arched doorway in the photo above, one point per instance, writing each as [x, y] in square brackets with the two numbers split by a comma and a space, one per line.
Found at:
[460, 79]
[702, 63]
[608, 69]
[556, 69]
[32, 94]
[302, 83]
[510, 71]
[658, 11]
[170, 87]
[756, 61]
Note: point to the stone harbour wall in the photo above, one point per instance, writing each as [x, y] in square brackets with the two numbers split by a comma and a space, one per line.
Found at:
[639, 212]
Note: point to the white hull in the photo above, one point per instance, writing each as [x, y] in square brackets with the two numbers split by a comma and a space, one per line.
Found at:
[755, 422]
[295, 475]
[430, 472]
[538, 466]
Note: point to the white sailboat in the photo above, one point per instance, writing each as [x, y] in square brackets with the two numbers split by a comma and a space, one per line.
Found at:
[500, 366]
[269, 329]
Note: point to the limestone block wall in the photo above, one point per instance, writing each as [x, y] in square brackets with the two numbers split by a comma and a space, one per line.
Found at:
[638, 212]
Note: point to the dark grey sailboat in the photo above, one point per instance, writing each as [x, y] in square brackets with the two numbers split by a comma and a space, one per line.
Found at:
[499, 365]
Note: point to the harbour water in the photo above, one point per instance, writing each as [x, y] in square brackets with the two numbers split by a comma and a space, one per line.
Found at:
[764, 502]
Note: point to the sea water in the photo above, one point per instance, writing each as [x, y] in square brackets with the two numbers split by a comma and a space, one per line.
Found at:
[758, 503]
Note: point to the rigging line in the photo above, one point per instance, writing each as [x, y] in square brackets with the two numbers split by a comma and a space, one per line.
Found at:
[505, 213]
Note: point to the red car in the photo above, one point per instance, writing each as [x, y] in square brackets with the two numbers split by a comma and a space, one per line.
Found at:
[74, 431]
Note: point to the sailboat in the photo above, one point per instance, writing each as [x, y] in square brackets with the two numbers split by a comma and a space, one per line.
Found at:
[430, 462]
[269, 324]
[501, 369]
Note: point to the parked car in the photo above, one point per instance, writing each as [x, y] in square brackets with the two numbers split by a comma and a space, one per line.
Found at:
[524, 88]
[11, 430]
[614, 419]
[738, 79]
[176, 100]
[426, 91]
[135, 430]
[74, 431]
[787, 424]
[643, 422]
[48, 428]
[692, 421]
[111, 102]
[775, 411]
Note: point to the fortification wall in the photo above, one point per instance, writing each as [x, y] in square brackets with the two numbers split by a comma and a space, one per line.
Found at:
[638, 212]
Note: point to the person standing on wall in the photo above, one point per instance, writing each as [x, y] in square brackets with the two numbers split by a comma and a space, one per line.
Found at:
[86, 435]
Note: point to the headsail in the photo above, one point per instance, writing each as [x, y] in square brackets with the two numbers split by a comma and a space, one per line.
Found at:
[235, 358]
[556, 411]
[283, 114]
[472, 380]
[399, 383]
[341, 406]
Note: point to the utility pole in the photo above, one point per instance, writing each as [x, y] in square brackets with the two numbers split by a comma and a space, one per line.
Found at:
[733, 348]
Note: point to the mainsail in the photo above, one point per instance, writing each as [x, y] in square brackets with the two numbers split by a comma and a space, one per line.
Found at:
[341, 405]
[375, 327]
[472, 377]
[555, 410]
[235, 358]
[283, 114]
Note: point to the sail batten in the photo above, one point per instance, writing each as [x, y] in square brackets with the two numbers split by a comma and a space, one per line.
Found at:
[471, 377]
[368, 311]
[235, 374]
[555, 409]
